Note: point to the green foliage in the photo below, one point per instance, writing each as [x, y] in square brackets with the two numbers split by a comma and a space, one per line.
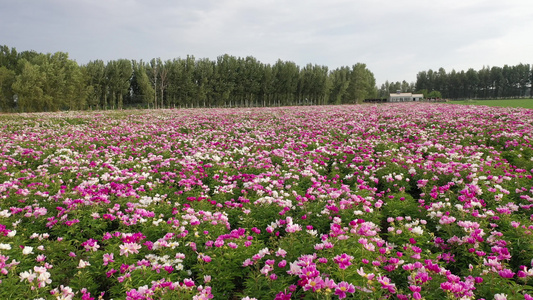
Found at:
[49, 82]
[434, 94]
[118, 74]
[487, 83]
[31, 81]
[7, 78]
[362, 83]
[352, 85]
[140, 84]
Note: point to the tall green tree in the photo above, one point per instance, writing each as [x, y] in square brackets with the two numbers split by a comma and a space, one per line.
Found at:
[7, 78]
[176, 82]
[56, 81]
[28, 88]
[163, 70]
[8, 57]
[267, 85]
[441, 81]
[313, 86]
[286, 75]
[455, 81]
[141, 87]
[422, 81]
[203, 74]
[226, 79]
[118, 75]
[498, 81]
[362, 84]
[96, 80]
[484, 83]
[252, 76]
[522, 73]
[340, 80]
[472, 83]
[383, 91]
[394, 87]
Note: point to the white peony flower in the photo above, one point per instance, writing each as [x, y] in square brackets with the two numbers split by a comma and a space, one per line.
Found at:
[27, 250]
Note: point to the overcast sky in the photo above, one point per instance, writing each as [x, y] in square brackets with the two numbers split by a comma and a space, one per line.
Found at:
[395, 38]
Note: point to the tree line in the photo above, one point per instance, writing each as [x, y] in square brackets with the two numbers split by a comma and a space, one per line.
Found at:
[31, 81]
[487, 83]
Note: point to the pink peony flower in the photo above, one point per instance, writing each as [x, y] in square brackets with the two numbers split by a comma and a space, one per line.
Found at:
[344, 287]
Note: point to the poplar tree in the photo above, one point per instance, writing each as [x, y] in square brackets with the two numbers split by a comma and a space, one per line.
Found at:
[143, 87]
[7, 78]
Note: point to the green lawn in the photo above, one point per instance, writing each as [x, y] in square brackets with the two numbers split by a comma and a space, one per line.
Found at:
[525, 103]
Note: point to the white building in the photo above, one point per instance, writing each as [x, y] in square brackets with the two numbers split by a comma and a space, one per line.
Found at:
[405, 97]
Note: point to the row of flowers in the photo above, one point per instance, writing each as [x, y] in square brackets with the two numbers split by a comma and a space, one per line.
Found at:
[400, 201]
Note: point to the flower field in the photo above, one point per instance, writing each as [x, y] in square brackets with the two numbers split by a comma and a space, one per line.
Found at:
[400, 201]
